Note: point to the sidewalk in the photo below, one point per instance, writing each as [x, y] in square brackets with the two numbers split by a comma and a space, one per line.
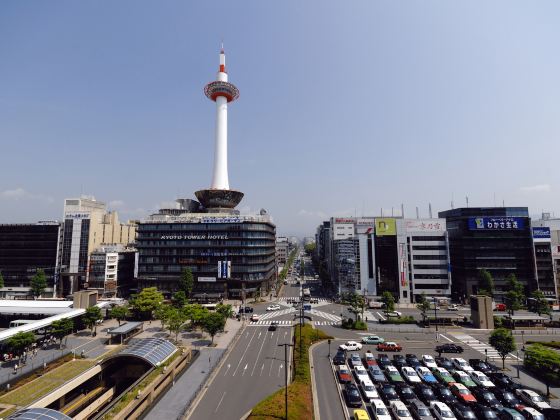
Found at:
[532, 382]
[176, 400]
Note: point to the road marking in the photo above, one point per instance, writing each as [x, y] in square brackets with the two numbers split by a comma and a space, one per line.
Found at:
[448, 339]
[381, 316]
[221, 399]
[245, 369]
[262, 368]
[280, 368]
[274, 355]
[243, 355]
[228, 366]
[258, 355]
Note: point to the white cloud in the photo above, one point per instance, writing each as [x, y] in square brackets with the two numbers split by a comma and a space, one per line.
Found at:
[116, 204]
[21, 194]
[536, 188]
[312, 213]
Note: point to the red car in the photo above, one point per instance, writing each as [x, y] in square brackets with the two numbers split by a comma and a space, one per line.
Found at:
[500, 307]
[344, 376]
[369, 360]
[462, 392]
[389, 346]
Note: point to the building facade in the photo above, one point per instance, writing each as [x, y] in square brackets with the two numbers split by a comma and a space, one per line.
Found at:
[282, 250]
[112, 271]
[24, 248]
[497, 239]
[230, 255]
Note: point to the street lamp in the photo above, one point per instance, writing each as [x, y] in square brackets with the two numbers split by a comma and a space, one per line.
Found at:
[486, 353]
[286, 345]
[523, 339]
[329, 356]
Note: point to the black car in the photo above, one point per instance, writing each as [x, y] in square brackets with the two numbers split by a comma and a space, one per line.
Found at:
[399, 361]
[419, 410]
[502, 380]
[383, 361]
[388, 393]
[352, 395]
[273, 325]
[463, 412]
[484, 413]
[449, 348]
[406, 393]
[481, 366]
[444, 362]
[444, 394]
[507, 398]
[246, 309]
[425, 393]
[486, 397]
[413, 361]
[339, 358]
[551, 413]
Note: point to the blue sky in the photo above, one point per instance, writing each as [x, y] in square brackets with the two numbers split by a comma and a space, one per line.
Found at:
[346, 107]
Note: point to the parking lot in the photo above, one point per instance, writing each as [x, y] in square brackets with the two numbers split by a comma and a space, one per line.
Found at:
[420, 395]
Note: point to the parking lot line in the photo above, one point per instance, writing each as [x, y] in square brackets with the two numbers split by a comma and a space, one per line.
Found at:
[447, 338]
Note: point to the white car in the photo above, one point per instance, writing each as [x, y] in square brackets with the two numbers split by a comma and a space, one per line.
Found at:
[400, 412]
[410, 375]
[481, 379]
[255, 317]
[429, 361]
[531, 414]
[273, 308]
[532, 398]
[461, 364]
[369, 391]
[379, 410]
[394, 314]
[442, 411]
[361, 374]
[453, 307]
[350, 346]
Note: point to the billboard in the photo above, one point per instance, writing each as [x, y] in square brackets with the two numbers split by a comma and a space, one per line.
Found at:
[426, 225]
[206, 279]
[496, 223]
[385, 227]
[365, 225]
[541, 234]
[224, 269]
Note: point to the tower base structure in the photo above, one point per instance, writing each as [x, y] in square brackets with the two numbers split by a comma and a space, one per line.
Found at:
[219, 199]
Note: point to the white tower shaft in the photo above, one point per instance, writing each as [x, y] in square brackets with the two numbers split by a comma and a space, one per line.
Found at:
[220, 180]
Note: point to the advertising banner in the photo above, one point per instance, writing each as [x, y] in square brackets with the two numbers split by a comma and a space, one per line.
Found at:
[541, 234]
[207, 279]
[385, 227]
[427, 225]
[224, 269]
[496, 223]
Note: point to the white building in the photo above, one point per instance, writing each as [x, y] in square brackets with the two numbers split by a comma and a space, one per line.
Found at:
[282, 250]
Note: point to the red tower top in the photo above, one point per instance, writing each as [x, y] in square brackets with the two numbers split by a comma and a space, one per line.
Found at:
[221, 87]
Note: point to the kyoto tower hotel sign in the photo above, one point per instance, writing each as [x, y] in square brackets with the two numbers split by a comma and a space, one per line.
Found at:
[219, 197]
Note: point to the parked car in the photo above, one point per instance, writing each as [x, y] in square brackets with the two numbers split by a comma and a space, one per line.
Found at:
[487, 398]
[406, 393]
[465, 379]
[419, 410]
[444, 362]
[449, 348]
[412, 360]
[463, 412]
[425, 393]
[379, 410]
[551, 413]
[369, 359]
[399, 410]
[481, 379]
[461, 364]
[394, 375]
[389, 346]
[453, 307]
[352, 395]
[339, 358]
[444, 394]
[376, 374]
[507, 398]
[532, 399]
[481, 366]
[531, 414]
[443, 375]
[426, 375]
[361, 374]
[462, 392]
[410, 375]
[442, 411]
[355, 360]
[399, 361]
[383, 360]
[343, 373]
[505, 413]
[369, 391]
[483, 412]
[388, 393]
[350, 346]
[360, 414]
[500, 307]
[373, 339]
[429, 361]
[502, 380]
[395, 314]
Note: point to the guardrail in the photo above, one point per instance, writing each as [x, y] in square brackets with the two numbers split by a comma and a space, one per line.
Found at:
[546, 331]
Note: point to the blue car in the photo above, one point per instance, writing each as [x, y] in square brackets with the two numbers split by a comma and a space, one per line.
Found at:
[426, 375]
[376, 374]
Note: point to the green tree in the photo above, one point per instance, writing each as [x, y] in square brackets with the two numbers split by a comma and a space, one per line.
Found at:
[1, 280]
[186, 282]
[485, 283]
[196, 314]
[515, 295]
[213, 323]
[38, 283]
[423, 306]
[20, 341]
[164, 312]
[310, 248]
[90, 318]
[225, 310]
[176, 321]
[357, 304]
[120, 313]
[540, 302]
[62, 329]
[146, 302]
[544, 363]
[388, 300]
[502, 340]
[179, 299]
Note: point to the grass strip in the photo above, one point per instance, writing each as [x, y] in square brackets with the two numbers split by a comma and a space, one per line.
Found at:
[300, 397]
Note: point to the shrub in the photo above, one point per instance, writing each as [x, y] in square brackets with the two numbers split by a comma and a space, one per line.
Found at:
[350, 324]
[498, 322]
[402, 320]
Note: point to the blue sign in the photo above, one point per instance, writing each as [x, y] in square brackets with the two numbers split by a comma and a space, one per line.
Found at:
[496, 223]
[541, 232]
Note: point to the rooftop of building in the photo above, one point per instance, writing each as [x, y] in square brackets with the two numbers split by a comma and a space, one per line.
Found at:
[485, 212]
[208, 218]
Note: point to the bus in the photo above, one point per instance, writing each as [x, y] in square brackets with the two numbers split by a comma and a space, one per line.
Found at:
[306, 294]
[20, 322]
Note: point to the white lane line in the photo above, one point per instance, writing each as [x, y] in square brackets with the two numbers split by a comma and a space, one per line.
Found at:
[274, 354]
[257, 359]
[243, 355]
[228, 366]
[221, 399]
[381, 316]
[447, 338]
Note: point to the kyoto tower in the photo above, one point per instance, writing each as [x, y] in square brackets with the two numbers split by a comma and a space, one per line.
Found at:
[219, 197]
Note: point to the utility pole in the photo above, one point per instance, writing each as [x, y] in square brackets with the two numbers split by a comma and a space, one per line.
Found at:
[286, 345]
[435, 314]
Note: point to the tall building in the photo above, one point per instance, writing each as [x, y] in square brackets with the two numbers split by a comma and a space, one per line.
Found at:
[497, 239]
[230, 254]
[24, 248]
[87, 225]
[282, 250]
[546, 237]
[112, 271]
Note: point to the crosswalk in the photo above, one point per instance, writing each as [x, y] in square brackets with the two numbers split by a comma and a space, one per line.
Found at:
[481, 347]
[274, 314]
[321, 300]
[319, 323]
[262, 323]
[326, 315]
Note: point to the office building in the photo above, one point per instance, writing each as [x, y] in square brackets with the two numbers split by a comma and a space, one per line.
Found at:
[546, 237]
[112, 271]
[282, 250]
